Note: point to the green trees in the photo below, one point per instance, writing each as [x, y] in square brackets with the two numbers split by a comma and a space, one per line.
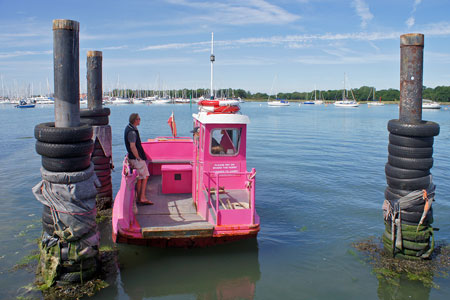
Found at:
[439, 93]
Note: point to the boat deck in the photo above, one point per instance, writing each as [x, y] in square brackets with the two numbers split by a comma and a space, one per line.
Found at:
[171, 216]
[232, 199]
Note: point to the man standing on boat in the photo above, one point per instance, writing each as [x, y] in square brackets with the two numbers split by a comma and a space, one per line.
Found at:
[137, 157]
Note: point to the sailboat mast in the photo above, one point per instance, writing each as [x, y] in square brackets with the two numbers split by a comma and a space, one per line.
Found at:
[343, 92]
[212, 58]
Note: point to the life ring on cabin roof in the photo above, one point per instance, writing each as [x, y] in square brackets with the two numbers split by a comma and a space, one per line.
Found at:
[209, 103]
[229, 109]
[218, 102]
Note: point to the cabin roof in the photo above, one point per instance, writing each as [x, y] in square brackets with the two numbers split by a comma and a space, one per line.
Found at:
[206, 118]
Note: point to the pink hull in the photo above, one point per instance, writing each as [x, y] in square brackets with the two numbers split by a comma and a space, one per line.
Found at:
[186, 242]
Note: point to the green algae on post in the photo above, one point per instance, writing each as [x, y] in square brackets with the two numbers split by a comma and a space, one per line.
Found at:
[391, 269]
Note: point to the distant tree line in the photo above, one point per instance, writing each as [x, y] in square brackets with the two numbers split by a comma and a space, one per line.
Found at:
[439, 93]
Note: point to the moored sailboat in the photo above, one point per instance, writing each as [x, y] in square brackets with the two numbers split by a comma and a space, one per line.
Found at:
[373, 102]
[346, 102]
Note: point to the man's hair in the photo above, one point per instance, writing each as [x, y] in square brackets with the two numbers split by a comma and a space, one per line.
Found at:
[133, 117]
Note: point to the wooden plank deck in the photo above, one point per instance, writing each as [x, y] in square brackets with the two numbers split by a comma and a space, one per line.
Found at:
[172, 215]
[232, 199]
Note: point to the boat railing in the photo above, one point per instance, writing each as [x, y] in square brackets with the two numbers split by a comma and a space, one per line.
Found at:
[126, 191]
[214, 179]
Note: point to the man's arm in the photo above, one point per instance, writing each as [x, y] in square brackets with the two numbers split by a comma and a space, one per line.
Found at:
[134, 151]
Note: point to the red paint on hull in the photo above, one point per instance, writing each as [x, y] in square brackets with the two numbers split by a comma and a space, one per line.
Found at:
[185, 242]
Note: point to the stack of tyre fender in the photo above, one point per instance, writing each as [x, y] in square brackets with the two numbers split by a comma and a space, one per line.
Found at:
[408, 169]
[66, 151]
[102, 163]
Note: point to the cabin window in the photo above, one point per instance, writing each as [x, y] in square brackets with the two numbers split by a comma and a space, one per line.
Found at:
[225, 141]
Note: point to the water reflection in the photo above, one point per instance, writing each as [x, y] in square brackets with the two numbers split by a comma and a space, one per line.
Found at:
[221, 272]
[402, 288]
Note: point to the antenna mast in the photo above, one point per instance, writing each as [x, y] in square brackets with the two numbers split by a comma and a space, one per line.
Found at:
[212, 58]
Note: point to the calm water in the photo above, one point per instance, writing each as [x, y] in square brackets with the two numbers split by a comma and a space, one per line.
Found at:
[320, 182]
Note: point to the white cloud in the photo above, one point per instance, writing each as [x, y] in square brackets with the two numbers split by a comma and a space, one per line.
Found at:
[128, 62]
[437, 29]
[23, 53]
[416, 3]
[349, 59]
[363, 11]
[303, 41]
[115, 47]
[288, 41]
[410, 22]
[235, 12]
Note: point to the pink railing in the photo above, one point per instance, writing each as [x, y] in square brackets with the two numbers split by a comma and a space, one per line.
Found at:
[249, 185]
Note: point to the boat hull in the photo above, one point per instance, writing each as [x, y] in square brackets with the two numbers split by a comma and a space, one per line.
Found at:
[346, 104]
[26, 106]
[277, 104]
[187, 242]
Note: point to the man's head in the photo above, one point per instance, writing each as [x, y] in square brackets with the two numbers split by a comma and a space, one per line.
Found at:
[135, 119]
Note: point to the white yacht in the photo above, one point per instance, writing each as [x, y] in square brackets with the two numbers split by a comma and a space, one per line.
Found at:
[429, 104]
[346, 102]
[278, 102]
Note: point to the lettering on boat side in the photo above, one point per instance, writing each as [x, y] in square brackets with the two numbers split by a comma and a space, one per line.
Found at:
[225, 167]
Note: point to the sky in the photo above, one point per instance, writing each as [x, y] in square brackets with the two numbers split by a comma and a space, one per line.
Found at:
[260, 45]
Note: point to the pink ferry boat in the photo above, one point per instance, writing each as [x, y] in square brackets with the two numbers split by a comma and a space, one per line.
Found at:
[201, 189]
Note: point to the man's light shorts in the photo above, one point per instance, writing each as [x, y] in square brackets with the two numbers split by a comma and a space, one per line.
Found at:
[141, 168]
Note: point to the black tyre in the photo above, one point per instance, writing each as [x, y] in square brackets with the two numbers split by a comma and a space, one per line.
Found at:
[64, 150]
[404, 254]
[100, 160]
[409, 152]
[48, 133]
[422, 129]
[78, 276]
[399, 192]
[414, 217]
[97, 145]
[417, 246]
[414, 207]
[427, 222]
[85, 265]
[96, 121]
[395, 172]
[98, 152]
[88, 113]
[105, 180]
[410, 163]
[409, 184]
[413, 236]
[105, 188]
[393, 200]
[67, 178]
[107, 194]
[103, 173]
[102, 167]
[69, 164]
[408, 141]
